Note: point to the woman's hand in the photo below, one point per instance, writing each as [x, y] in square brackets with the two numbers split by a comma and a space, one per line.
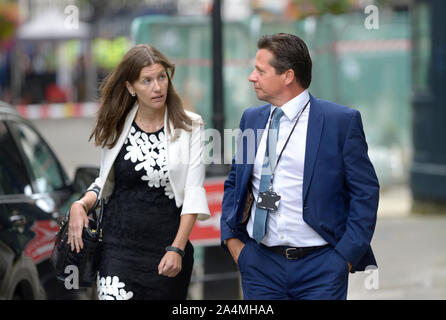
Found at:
[170, 264]
[78, 220]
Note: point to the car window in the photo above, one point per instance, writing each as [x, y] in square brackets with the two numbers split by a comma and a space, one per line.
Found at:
[43, 164]
[13, 176]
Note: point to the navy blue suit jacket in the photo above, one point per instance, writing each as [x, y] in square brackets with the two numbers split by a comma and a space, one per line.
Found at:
[340, 188]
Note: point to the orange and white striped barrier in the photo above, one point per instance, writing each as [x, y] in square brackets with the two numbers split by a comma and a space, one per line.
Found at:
[58, 110]
[376, 45]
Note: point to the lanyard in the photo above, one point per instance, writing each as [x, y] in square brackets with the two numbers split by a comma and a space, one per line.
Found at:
[286, 142]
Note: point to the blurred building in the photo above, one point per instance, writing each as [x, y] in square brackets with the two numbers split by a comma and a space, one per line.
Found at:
[51, 57]
[53, 62]
[428, 168]
[9, 19]
[64, 48]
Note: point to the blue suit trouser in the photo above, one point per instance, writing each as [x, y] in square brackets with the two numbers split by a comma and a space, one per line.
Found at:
[321, 275]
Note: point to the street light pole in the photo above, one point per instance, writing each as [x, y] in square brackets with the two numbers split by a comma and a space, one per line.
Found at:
[217, 70]
[218, 114]
[217, 262]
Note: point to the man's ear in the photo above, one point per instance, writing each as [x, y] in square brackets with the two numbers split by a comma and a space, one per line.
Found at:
[289, 76]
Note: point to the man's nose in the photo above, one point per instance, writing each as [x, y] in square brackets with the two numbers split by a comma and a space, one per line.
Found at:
[252, 77]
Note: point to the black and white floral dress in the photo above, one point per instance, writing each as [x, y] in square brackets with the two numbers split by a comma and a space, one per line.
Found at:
[139, 221]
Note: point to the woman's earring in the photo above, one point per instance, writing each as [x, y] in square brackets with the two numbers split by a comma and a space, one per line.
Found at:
[133, 94]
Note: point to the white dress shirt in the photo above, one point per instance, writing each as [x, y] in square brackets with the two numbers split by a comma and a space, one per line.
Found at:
[286, 226]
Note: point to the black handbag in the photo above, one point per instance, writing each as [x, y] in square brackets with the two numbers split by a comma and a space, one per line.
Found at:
[86, 261]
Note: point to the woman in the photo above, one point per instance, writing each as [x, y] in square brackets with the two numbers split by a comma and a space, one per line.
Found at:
[151, 178]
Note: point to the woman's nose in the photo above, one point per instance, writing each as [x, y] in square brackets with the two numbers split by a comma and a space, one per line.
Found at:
[156, 86]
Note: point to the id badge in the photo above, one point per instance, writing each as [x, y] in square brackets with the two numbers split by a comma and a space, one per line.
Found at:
[268, 200]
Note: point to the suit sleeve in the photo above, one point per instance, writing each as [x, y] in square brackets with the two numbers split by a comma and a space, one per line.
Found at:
[228, 203]
[363, 188]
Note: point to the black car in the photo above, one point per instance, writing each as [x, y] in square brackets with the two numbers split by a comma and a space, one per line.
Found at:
[35, 194]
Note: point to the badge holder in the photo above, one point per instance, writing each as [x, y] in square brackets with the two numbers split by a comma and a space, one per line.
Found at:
[268, 200]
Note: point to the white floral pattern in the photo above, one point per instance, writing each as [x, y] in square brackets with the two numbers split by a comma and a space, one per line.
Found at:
[147, 151]
[112, 289]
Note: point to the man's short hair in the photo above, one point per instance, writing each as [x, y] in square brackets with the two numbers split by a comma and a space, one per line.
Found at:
[290, 52]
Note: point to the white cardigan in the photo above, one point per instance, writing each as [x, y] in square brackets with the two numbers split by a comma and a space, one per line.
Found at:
[186, 170]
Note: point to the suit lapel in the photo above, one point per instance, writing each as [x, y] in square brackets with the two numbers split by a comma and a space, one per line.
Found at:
[259, 122]
[314, 131]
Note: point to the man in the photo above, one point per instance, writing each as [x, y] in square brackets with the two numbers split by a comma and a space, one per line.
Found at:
[300, 216]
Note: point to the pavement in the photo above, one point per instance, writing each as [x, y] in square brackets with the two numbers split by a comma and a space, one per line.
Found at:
[409, 247]
[410, 251]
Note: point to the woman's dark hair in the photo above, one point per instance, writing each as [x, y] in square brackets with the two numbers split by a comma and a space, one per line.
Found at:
[116, 102]
[290, 52]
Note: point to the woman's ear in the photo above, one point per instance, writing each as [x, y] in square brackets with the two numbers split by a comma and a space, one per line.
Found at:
[130, 89]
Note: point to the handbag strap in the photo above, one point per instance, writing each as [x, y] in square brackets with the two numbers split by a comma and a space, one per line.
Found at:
[101, 214]
[98, 219]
